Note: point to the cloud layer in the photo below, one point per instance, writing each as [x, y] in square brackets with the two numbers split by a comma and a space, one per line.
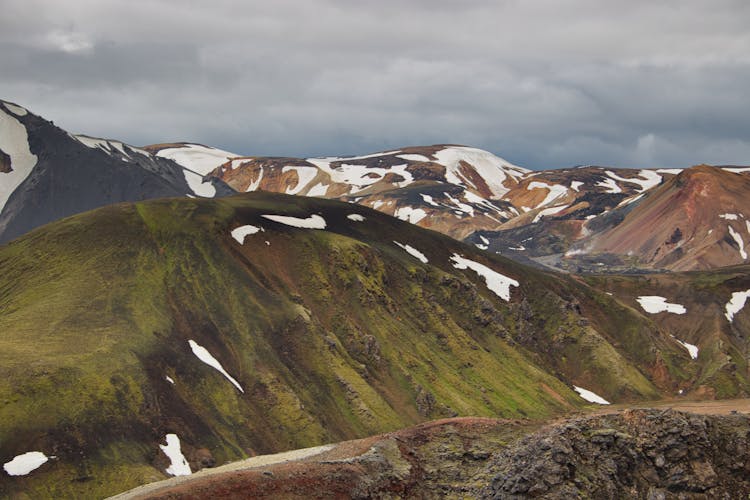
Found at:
[544, 83]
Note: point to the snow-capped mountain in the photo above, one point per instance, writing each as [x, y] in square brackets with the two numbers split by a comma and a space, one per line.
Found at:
[47, 173]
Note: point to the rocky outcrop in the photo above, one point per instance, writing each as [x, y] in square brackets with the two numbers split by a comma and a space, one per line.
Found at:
[650, 454]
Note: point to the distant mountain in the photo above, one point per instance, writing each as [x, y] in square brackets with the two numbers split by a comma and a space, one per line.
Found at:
[47, 173]
[217, 329]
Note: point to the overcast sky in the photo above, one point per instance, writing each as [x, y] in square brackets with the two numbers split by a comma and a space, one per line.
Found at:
[542, 83]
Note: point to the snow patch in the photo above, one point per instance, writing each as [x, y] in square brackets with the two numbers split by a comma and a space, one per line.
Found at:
[428, 199]
[242, 231]
[496, 282]
[305, 176]
[610, 185]
[590, 396]
[646, 179]
[673, 171]
[199, 159]
[411, 157]
[574, 185]
[554, 191]
[14, 141]
[198, 185]
[462, 207]
[169, 379]
[736, 303]
[205, 356]
[313, 222]
[173, 451]
[16, 110]
[410, 214]
[25, 463]
[413, 252]
[653, 304]
[493, 169]
[548, 211]
[738, 239]
[691, 349]
[729, 216]
[356, 217]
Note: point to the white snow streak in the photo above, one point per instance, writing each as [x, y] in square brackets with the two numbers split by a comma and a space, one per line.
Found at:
[205, 356]
[412, 157]
[691, 349]
[413, 252]
[239, 233]
[548, 211]
[14, 141]
[646, 179]
[25, 463]
[654, 304]
[172, 450]
[611, 186]
[738, 239]
[428, 199]
[728, 216]
[313, 222]
[736, 303]
[590, 396]
[496, 282]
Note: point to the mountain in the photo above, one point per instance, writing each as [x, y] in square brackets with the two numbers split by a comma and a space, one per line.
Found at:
[263, 322]
[47, 173]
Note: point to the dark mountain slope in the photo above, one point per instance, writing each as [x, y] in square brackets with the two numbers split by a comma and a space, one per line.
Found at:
[110, 318]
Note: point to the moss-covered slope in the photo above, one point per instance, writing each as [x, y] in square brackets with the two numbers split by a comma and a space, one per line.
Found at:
[331, 334]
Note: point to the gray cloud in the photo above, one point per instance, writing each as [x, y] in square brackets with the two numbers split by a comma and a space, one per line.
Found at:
[544, 84]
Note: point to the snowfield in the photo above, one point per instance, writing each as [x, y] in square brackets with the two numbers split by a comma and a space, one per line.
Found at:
[496, 282]
[199, 159]
[25, 463]
[312, 222]
[14, 141]
[654, 304]
[413, 252]
[493, 169]
[736, 303]
[242, 231]
[205, 356]
[172, 450]
[590, 396]
[198, 185]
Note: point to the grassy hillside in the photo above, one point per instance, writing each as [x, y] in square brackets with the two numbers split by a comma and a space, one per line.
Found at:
[331, 334]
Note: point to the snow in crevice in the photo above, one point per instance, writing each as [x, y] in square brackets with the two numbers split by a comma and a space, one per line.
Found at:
[496, 282]
[413, 252]
[14, 141]
[654, 304]
[239, 233]
[691, 349]
[313, 222]
[590, 396]
[738, 239]
[179, 465]
[735, 304]
[25, 463]
[205, 356]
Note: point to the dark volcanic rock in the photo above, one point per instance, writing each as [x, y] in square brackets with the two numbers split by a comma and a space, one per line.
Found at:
[634, 454]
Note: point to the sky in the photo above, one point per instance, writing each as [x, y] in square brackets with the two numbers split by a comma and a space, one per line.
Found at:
[541, 83]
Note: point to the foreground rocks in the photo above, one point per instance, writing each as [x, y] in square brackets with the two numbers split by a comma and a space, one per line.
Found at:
[653, 454]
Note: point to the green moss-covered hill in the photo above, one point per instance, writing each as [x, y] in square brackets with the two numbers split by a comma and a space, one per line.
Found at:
[330, 334]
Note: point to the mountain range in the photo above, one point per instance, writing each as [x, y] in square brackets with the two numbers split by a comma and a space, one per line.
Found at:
[174, 307]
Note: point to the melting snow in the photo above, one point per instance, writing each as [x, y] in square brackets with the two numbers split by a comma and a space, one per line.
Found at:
[205, 356]
[492, 169]
[736, 303]
[305, 176]
[172, 450]
[14, 141]
[654, 304]
[575, 185]
[25, 463]
[738, 239]
[413, 252]
[356, 217]
[555, 191]
[691, 349]
[242, 231]
[590, 396]
[16, 110]
[410, 214]
[411, 157]
[496, 282]
[729, 216]
[199, 159]
[611, 186]
[313, 222]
